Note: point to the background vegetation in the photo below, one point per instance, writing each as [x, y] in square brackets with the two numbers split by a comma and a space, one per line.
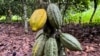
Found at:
[74, 11]
[84, 16]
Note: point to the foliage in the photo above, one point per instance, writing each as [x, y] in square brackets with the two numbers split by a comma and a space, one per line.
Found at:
[14, 18]
[15, 6]
[2, 18]
[85, 16]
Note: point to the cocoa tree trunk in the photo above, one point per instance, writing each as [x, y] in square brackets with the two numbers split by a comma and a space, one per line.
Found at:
[25, 16]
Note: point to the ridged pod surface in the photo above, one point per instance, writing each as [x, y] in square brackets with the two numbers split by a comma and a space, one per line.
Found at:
[70, 42]
[38, 19]
[51, 48]
[54, 14]
[39, 33]
[38, 46]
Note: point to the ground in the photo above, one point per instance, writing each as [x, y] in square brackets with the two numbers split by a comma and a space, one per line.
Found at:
[89, 37]
[15, 42]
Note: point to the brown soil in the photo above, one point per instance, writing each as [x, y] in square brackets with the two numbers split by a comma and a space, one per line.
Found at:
[15, 42]
[89, 38]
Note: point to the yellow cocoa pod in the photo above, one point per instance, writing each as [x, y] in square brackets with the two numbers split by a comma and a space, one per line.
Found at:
[38, 19]
[38, 46]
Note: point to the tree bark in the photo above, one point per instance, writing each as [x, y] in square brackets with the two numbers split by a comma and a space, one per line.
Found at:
[25, 17]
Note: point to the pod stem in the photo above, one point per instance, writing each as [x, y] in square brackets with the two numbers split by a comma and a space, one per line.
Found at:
[59, 31]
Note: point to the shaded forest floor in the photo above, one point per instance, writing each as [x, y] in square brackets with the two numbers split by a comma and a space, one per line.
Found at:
[14, 41]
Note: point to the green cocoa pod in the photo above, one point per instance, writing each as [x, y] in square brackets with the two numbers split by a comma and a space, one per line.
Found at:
[38, 46]
[39, 33]
[54, 15]
[51, 48]
[70, 42]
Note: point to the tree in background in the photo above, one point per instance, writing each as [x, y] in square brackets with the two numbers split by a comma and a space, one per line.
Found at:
[25, 8]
